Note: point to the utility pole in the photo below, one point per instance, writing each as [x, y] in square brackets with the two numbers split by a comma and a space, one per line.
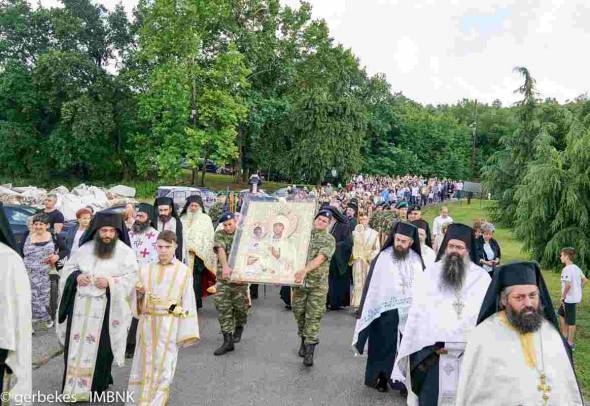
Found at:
[474, 138]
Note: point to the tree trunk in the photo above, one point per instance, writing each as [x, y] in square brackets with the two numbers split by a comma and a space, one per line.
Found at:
[240, 162]
[204, 168]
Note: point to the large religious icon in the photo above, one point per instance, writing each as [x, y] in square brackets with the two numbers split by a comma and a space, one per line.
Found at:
[271, 241]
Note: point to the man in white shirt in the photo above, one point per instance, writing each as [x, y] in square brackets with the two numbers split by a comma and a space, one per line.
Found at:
[440, 220]
[572, 283]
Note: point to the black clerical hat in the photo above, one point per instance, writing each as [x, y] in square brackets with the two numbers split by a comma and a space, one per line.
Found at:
[516, 273]
[193, 199]
[461, 232]
[407, 229]
[423, 224]
[150, 211]
[6, 235]
[106, 219]
[165, 201]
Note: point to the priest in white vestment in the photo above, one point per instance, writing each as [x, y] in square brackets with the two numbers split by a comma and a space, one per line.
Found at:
[142, 236]
[365, 248]
[516, 355]
[198, 244]
[164, 303]
[442, 314]
[94, 312]
[394, 277]
[15, 320]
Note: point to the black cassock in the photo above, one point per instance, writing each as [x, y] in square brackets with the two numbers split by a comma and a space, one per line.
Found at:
[3, 367]
[340, 277]
[104, 359]
[381, 334]
[382, 337]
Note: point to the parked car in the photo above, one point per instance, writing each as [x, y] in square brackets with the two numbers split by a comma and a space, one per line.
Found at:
[209, 166]
[17, 219]
[180, 193]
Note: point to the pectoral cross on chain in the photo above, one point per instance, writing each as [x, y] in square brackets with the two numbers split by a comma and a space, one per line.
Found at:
[458, 305]
[543, 387]
[404, 284]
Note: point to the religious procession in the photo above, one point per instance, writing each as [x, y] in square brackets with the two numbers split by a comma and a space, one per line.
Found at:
[439, 320]
[294, 202]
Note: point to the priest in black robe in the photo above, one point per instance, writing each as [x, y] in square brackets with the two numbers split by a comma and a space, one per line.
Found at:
[340, 277]
[168, 220]
[94, 312]
[387, 296]
[443, 312]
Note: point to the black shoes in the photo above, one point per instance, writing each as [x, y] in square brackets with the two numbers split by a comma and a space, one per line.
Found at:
[308, 358]
[238, 333]
[381, 385]
[301, 352]
[227, 346]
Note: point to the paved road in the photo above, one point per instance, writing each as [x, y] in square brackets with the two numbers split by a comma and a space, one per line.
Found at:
[264, 369]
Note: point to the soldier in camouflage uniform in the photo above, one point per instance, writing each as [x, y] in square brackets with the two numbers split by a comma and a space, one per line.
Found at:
[383, 221]
[309, 300]
[231, 299]
[216, 210]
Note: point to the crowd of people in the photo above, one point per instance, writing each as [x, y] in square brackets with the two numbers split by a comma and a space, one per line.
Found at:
[438, 316]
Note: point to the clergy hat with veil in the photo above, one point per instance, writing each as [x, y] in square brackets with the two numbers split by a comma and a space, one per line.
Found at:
[423, 224]
[400, 227]
[150, 211]
[6, 236]
[407, 229]
[517, 273]
[106, 219]
[193, 199]
[165, 201]
[461, 232]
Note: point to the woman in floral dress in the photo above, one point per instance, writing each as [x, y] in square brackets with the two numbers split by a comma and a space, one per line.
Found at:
[40, 257]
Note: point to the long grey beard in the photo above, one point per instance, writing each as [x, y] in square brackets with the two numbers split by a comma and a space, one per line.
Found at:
[104, 250]
[454, 270]
[525, 323]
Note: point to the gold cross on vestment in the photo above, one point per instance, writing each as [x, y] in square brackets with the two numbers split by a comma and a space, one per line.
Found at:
[458, 305]
[543, 387]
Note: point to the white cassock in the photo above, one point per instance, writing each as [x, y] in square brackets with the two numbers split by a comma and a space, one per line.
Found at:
[15, 324]
[428, 255]
[501, 367]
[438, 315]
[89, 311]
[144, 245]
[159, 333]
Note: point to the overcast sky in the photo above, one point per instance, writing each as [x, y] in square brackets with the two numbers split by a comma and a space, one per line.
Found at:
[440, 51]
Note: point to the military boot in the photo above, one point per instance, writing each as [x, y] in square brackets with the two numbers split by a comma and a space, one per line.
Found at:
[308, 359]
[238, 333]
[227, 346]
[301, 352]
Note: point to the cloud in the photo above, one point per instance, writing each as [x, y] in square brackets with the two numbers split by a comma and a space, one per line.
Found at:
[406, 54]
[440, 51]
